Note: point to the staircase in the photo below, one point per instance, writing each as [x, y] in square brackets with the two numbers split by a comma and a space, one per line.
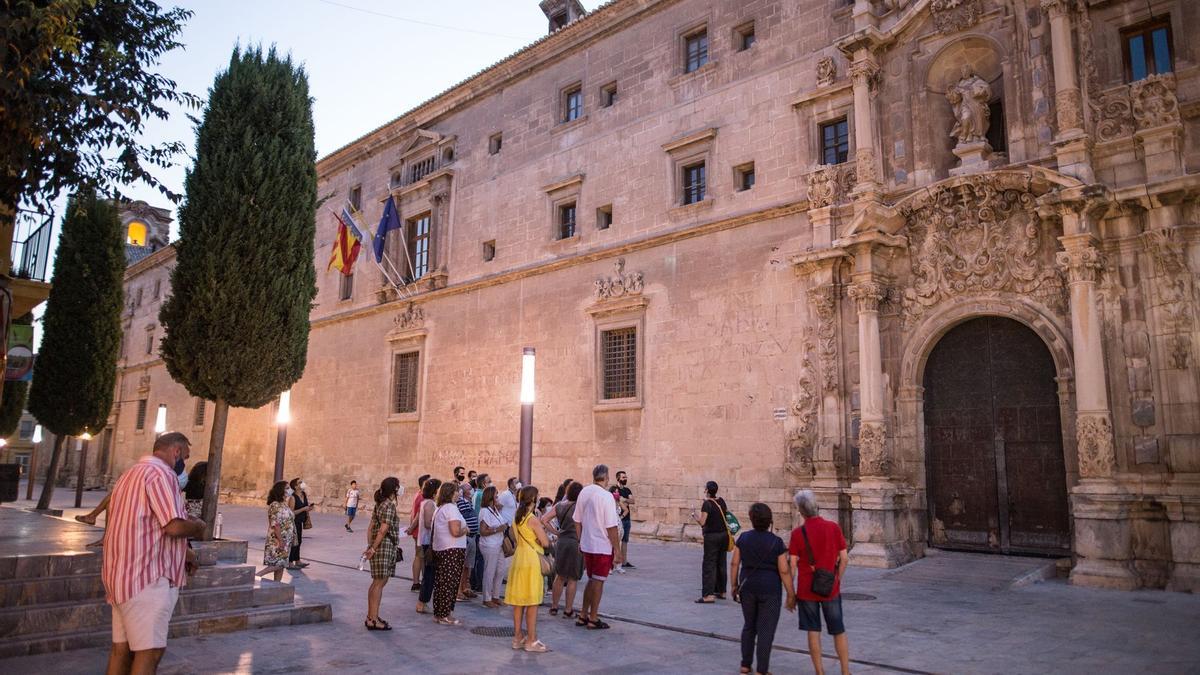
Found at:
[55, 602]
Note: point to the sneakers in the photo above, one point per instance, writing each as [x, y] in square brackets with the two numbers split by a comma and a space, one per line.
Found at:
[348, 529]
[619, 569]
[629, 565]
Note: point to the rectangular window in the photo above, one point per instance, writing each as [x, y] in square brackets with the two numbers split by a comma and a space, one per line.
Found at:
[608, 95]
[356, 198]
[150, 342]
[566, 220]
[157, 288]
[26, 431]
[996, 136]
[695, 50]
[1148, 49]
[489, 250]
[604, 217]
[420, 169]
[693, 183]
[835, 142]
[418, 246]
[140, 422]
[345, 286]
[619, 361]
[198, 416]
[397, 179]
[404, 379]
[743, 37]
[573, 103]
[744, 175]
[138, 301]
[495, 142]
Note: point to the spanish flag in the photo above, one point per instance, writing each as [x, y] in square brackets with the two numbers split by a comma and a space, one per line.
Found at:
[345, 249]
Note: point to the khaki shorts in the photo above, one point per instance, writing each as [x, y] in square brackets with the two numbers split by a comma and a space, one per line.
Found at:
[144, 619]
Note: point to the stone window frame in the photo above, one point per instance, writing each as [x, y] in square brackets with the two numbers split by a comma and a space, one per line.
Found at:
[354, 197]
[604, 217]
[139, 418]
[564, 94]
[628, 312]
[609, 95]
[406, 342]
[559, 194]
[741, 32]
[739, 177]
[1146, 29]
[199, 416]
[489, 250]
[150, 338]
[496, 143]
[827, 115]
[685, 152]
[681, 51]
[345, 287]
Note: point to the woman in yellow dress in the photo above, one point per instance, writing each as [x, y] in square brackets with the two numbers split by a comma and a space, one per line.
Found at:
[525, 582]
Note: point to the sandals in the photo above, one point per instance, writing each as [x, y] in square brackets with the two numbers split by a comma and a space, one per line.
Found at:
[553, 611]
[447, 621]
[537, 647]
[518, 643]
[377, 624]
[702, 601]
[569, 614]
[597, 625]
[581, 622]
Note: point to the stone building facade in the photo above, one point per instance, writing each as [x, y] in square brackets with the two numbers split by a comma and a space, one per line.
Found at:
[934, 259]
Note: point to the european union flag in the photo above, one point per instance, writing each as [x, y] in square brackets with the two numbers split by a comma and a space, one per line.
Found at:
[389, 222]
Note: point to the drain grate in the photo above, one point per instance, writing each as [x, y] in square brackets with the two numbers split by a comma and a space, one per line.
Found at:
[493, 631]
[857, 596]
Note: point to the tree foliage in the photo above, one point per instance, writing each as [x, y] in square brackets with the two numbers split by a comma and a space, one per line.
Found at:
[12, 401]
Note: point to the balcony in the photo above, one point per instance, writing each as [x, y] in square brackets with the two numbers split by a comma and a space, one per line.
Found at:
[31, 257]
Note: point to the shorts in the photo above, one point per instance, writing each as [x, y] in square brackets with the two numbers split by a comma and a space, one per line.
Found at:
[598, 565]
[143, 620]
[811, 611]
[351, 511]
[626, 524]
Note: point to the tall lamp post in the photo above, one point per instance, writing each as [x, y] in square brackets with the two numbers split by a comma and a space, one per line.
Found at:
[525, 467]
[282, 419]
[160, 422]
[85, 437]
[37, 438]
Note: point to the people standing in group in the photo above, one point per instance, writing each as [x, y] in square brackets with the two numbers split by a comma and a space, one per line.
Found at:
[616, 495]
[281, 531]
[472, 475]
[449, 552]
[352, 496]
[465, 507]
[627, 502]
[300, 507]
[508, 499]
[525, 579]
[758, 570]
[491, 540]
[716, 544]
[193, 491]
[425, 541]
[146, 557]
[383, 543]
[596, 524]
[819, 544]
[568, 559]
[418, 563]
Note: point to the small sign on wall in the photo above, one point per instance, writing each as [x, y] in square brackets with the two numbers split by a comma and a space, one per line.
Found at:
[780, 414]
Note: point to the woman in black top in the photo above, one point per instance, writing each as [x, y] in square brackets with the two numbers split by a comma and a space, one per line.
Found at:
[759, 568]
[300, 507]
[716, 544]
[193, 492]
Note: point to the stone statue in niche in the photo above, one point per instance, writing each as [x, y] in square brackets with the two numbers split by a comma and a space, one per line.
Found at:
[969, 98]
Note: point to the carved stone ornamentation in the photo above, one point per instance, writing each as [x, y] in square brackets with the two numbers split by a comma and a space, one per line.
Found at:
[1067, 109]
[952, 16]
[826, 72]
[824, 301]
[865, 72]
[872, 450]
[1181, 352]
[144, 383]
[801, 424]
[1111, 110]
[1172, 294]
[867, 295]
[979, 236]
[864, 165]
[622, 283]
[411, 318]
[1056, 8]
[1154, 102]
[831, 184]
[1095, 437]
[969, 97]
[1082, 264]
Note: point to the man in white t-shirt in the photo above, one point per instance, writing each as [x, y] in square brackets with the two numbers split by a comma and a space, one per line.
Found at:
[508, 500]
[352, 496]
[597, 523]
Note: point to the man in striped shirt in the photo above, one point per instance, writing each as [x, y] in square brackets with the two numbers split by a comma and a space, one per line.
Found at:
[146, 555]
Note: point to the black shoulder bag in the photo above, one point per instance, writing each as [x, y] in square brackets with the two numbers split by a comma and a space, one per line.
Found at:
[822, 580]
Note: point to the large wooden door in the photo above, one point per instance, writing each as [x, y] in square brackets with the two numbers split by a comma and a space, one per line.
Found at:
[994, 441]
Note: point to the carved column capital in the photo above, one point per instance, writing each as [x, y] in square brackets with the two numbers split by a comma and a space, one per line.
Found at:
[864, 71]
[1057, 8]
[1082, 263]
[866, 295]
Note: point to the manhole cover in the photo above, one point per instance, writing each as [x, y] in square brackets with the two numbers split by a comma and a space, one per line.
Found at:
[493, 631]
[857, 596]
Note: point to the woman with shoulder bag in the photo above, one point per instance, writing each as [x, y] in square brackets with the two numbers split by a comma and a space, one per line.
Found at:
[449, 554]
[527, 573]
[298, 501]
[491, 536]
[818, 554]
[717, 542]
[383, 537]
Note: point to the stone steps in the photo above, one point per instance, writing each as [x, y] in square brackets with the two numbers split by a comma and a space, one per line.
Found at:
[81, 587]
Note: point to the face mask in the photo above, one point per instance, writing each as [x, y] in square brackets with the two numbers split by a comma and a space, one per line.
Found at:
[623, 481]
[179, 465]
[183, 478]
[517, 486]
[304, 486]
[289, 492]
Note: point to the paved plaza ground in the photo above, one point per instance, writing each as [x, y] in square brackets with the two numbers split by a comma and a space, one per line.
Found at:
[949, 613]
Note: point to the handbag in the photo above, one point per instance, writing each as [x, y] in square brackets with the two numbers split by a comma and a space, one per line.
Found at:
[508, 545]
[823, 579]
[725, 519]
[308, 521]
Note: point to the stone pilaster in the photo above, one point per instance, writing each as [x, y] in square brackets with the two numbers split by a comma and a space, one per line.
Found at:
[864, 74]
[1073, 146]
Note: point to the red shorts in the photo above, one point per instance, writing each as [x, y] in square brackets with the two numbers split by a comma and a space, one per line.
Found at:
[598, 565]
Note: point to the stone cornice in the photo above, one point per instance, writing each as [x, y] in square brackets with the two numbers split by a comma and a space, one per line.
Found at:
[690, 139]
[160, 257]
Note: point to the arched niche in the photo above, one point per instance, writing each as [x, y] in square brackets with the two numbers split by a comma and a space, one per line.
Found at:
[987, 59]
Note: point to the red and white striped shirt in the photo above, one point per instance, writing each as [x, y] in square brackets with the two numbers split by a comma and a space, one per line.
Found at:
[137, 552]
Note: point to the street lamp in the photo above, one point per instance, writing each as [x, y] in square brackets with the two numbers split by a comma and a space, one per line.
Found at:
[37, 438]
[160, 422]
[282, 418]
[83, 452]
[525, 467]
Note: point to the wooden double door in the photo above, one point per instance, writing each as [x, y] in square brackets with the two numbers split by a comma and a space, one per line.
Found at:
[993, 434]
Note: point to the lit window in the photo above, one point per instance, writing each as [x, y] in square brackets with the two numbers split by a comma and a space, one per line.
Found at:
[135, 235]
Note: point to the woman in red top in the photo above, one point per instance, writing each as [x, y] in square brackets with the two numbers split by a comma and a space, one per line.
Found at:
[819, 544]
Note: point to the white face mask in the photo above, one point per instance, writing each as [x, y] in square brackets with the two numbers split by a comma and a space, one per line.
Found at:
[289, 492]
[517, 486]
[183, 478]
[304, 486]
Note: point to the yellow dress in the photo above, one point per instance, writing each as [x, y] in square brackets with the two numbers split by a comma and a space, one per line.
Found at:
[526, 586]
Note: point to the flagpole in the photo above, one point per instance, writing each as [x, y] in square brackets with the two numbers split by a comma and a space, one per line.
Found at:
[381, 269]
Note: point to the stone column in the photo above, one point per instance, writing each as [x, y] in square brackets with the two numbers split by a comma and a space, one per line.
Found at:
[863, 73]
[873, 461]
[1073, 145]
[1100, 508]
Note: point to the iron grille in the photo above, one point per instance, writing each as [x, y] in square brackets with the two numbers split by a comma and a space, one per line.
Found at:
[697, 51]
[199, 416]
[404, 374]
[566, 221]
[693, 184]
[141, 415]
[620, 362]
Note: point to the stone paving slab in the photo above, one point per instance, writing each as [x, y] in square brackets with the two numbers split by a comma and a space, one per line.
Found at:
[915, 624]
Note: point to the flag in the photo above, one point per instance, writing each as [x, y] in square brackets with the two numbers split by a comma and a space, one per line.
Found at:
[389, 222]
[355, 229]
[345, 249]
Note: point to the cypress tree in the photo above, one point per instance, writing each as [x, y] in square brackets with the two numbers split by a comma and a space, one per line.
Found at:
[236, 323]
[77, 362]
[12, 401]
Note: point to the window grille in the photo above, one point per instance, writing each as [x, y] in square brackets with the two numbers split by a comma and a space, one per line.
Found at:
[404, 377]
[198, 417]
[140, 422]
[696, 51]
[566, 221]
[619, 361]
[693, 183]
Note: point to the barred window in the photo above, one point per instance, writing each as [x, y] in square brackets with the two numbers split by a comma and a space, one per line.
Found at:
[693, 183]
[695, 51]
[198, 418]
[619, 354]
[404, 378]
[566, 221]
[140, 422]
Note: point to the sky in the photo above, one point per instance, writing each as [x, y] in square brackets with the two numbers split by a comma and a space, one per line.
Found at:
[368, 61]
